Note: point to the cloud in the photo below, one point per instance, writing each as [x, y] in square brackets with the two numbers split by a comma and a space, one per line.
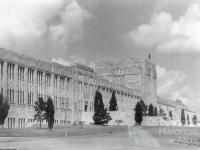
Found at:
[170, 35]
[70, 26]
[34, 27]
[61, 61]
[24, 21]
[74, 59]
[169, 81]
[171, 85]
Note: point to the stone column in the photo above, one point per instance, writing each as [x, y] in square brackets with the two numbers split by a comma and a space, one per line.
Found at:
[25, 85]
[35, 85]
[43, 90]
[52, 86]
[16, 83]
[5, 79]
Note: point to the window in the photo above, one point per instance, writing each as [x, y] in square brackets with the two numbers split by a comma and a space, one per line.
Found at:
[62, 102]
[56, 80]
[10, 71]
[30, 98]
[10, 95]
[20, 73]
[20, 96]
[39, 77]
[1, 63]
[30, 75]
[48, 79]
[62, 82]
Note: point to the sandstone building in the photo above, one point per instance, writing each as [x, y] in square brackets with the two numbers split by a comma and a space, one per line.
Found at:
[24, 79]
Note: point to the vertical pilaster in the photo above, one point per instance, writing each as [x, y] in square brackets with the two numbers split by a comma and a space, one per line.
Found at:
[35, 89]
[26, 85]
[5, 79]
[16, 83]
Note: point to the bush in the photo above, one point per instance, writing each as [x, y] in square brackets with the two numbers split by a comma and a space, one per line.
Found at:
[118, 122]
[138, 113]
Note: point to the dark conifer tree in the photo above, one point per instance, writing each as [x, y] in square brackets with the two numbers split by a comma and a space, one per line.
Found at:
[151, 110]
[138, 113]
[188, 119]
[183, 117]
[50, 113]
[113, 102]
[155, 111]
[4, 108]
[100, 114]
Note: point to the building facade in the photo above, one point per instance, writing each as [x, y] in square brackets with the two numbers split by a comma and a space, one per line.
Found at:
[138, 74]
[24, 79]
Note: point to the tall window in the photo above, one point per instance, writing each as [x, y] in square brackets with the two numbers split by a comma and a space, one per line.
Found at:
[30, 98]
[10, 70]
[62, 82]
[30, 75]
[39, 77]
[48, 79]
[10, 95]
[20, 96]
[21, 73]
[56, 80]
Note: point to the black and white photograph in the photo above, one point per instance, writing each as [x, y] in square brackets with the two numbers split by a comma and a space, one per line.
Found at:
[99, 74]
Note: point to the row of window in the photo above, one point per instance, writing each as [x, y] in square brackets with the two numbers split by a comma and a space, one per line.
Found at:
[22, 122]
[39, 79]
[57, 101]
[12, 121]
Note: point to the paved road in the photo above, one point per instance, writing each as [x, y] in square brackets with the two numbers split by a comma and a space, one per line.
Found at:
[114, 141]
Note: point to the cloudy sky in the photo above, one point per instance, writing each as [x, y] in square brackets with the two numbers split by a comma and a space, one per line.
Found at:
[88, 31]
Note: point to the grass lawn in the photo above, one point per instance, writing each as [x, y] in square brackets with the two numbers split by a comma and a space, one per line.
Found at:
[90, 137]
[58, 131]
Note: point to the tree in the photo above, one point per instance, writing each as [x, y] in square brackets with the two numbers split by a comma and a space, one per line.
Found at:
[183, 117]
[155, 111]
[49, 115]
[170, 115]
[194, 119]
[151, 110]
[40, 107]
[188, 119]
[138, 113]
[144, 108]
[4, 108]
[113, 102]
[100, 114]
